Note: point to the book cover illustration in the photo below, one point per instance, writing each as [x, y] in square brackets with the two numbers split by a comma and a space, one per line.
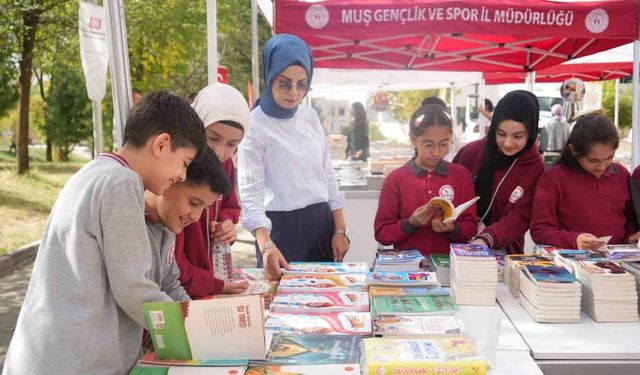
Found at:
[314, 349]
[323, 282]
[321, 301]
[326, 268]
[346, 322]
[402, 278]
[600, 268]
[341, 369]
[152, 359]
[375, 291]
[407, 325]
[415, 305]
[440, 260]
[399, 256]
[549, 274]
[471, 250]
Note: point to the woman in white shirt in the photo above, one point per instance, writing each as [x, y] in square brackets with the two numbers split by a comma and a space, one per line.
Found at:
[288, 192]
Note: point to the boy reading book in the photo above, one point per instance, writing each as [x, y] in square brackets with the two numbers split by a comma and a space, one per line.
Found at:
[82, 313]
[405, 219]
[182, 204]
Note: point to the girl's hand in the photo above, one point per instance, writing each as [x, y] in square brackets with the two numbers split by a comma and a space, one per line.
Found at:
[587, 241]
[633, 239]
[422, 215]
[223, 232]
[339, 245]
[439, 227]
[479, 241]
[231, 287]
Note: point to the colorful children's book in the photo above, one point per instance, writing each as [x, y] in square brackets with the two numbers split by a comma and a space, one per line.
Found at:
[326, 268]
[449, 212]
[348, 300]
[472, 251]
[322, 282]
[375, 291]
[422, 305]
[402, 278]
[151, 359]
[250, 274]
[414, 326]
[440, 260]
[398, 256]
[342, 369]
[219, 328]
[456, 354]
[549, 274]
[314, 349]
[161, 370]
[346, 322]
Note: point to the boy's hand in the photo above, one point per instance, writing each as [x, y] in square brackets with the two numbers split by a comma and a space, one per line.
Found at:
[422, 215]
[439, 227]
[231, 287]
[272, 259]
[223, 232]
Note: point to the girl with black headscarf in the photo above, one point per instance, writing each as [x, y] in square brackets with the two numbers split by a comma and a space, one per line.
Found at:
[506, 166]
[358, 138]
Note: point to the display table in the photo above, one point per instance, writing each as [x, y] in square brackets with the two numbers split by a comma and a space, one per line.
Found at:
[581, 348]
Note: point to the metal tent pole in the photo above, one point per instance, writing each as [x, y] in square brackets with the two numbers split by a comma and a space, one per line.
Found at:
[615, 104]
[635, 118]
[255, 58]
[212, 42]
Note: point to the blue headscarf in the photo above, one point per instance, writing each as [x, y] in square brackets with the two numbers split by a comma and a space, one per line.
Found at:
[280, 52]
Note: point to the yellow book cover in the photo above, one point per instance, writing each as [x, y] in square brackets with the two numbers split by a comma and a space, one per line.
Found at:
[439, 355]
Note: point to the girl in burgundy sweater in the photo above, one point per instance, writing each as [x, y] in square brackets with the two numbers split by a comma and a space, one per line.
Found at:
[506, 165]
[225, 115]
[404, 219]
[585, 195]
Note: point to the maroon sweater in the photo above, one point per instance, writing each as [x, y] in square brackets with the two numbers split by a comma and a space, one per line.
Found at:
[410, 187]
[192, 251]
[570, 201]
[511, 209]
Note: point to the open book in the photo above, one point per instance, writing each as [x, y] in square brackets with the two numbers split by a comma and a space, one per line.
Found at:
[449, 212]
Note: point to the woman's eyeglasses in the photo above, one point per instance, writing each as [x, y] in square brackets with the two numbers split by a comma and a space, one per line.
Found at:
[285, 85]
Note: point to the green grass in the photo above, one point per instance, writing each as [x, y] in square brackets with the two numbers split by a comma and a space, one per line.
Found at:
[25, 201]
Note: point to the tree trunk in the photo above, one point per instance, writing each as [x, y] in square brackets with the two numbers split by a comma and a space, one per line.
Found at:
[30, 21]
[49, 149]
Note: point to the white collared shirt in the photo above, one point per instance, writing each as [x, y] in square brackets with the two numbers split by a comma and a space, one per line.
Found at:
[284, 165]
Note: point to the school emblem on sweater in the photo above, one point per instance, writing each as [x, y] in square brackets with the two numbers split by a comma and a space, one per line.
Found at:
[171, 253]
[446, 192]
[517, 193]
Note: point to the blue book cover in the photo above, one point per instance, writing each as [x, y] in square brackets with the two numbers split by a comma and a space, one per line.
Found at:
[402, 278]
[550, 274]
[399, 256]
[314, 349]
[471, 250]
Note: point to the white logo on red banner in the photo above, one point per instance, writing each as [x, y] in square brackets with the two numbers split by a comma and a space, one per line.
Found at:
[597, 21]
[317, 16]
[517, 193]
[446, 192]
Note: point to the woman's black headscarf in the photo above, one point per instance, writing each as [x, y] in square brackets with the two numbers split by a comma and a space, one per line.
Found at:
[521, 106]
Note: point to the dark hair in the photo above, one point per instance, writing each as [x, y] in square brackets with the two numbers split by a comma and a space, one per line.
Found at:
[191, 96]
[165, 112]
[206, 169]
[359, 116]
[434, 100]
[233, 124]
[488, 105]
[426, 116]
[589, 129]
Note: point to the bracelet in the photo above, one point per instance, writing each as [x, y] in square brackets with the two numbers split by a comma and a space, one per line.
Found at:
[267, 246]
[342, 232]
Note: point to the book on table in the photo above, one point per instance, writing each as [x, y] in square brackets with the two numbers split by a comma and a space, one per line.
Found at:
[415, 305]
[514, 263]
[171, 370]
[326, 268]
[321, 301]
[332, 323]
[440, 264]
[375, 291]
[314, 349]
[308, 283]
[550, 294]
[415, 326]
[474, 274]
[221, 328]
[419, 278]
[398, 260]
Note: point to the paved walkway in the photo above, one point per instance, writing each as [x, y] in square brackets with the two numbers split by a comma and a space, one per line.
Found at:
[13, 287]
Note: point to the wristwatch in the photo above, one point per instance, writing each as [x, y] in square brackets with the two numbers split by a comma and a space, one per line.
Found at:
[343, 232]
[267, 245]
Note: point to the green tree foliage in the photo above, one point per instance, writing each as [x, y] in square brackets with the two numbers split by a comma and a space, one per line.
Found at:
[68, 119]
[625, 97]
[404, 103]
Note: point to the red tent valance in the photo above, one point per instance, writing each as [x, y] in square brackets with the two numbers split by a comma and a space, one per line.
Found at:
[558, 73]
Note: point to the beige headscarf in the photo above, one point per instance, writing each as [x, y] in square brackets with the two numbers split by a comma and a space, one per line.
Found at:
[221, 102]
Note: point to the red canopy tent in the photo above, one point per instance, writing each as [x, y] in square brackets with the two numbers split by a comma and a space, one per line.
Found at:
[558, 73]
[469, 35]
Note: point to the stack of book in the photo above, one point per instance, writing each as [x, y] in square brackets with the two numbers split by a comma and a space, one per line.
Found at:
[622, 253]
[454, 354]
[566, 257]
[439, 263]
[550, 294]
[634, 269]
[398, 260]
[474, 274]
[608, 292]
[514, 263]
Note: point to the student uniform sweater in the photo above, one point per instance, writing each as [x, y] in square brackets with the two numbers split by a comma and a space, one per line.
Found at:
[571, 201]
[409, 187]
[82, 313]
[192, 245]
[511, 209]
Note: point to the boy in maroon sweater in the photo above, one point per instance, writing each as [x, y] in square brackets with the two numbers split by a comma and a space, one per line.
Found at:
[506, 166]
[225, 115]
[404, 219]
[585, 195]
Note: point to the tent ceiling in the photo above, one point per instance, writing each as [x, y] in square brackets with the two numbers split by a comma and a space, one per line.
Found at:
[558, 73]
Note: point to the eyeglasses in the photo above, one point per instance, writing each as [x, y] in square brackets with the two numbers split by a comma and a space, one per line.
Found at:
[441, 147]
[285, 85]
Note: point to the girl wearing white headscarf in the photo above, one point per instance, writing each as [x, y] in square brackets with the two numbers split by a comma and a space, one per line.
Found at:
[225, 115]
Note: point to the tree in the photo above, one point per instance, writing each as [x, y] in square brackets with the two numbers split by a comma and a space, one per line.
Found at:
[68, 119]
[404, 103]
[624, 102]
